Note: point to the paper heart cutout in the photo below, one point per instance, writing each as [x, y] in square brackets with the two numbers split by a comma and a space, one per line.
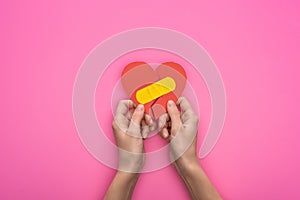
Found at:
[138, 75]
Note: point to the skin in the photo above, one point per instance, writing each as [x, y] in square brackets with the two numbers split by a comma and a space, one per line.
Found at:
[130, 126]
[129, 136]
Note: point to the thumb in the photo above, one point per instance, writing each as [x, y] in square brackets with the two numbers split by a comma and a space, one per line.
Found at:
[135, 124]
[175, 117]
[138, 114]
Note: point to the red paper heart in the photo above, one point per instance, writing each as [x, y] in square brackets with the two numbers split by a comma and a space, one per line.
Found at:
[138, 75]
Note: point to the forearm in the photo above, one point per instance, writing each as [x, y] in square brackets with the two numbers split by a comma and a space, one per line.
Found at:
[196, 181]
[122, 186]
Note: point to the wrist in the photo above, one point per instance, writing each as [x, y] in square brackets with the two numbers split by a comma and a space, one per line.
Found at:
[131, 163]
[187, 166]
[126, 176]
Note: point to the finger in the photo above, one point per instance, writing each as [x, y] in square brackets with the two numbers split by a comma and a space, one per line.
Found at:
[188, 114]
[149, 122]
[152, 126]
[148, 119]
[184, 104]
[130, 113]
[174, 113]
[138, 114]
[121, 119]
[164, 133]
[124, 106]
[135, 123]
[162, 121]
[145, 129]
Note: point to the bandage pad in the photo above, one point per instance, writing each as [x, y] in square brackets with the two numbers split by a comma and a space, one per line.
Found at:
[153, 88]
[147, 106]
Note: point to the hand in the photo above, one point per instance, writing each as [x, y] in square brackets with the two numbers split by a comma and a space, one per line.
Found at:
[130, 126]
[180, 129]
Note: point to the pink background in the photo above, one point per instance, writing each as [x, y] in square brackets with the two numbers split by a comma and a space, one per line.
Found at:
[254, 44]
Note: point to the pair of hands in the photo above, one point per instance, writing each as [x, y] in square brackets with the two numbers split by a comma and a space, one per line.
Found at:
[131, 125]
[179, 127]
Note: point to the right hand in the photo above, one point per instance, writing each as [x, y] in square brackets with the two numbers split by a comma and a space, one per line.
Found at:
[180, 129]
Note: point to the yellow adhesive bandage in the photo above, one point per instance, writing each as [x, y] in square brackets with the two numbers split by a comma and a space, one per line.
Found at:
[155, 90]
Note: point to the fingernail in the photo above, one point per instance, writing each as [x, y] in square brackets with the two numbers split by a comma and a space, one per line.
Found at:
[170, 103]
[145, 135]
[140, 107]
[165, 134]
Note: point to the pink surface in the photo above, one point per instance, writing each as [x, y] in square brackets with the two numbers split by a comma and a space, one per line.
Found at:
[255, 46]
